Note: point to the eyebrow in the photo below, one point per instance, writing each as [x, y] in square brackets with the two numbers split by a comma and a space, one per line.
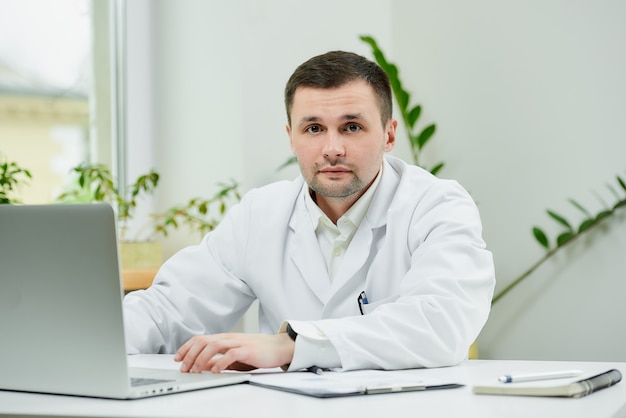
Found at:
[346, 117]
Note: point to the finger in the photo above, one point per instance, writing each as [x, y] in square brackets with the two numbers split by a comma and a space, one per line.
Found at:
[213, 346]
[194, 349]
[182, 351]
[204, 360]
[233, 359]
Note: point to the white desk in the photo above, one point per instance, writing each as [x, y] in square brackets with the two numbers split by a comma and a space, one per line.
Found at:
[249, 401]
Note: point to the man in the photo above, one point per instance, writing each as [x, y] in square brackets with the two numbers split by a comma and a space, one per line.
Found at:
[363, 261]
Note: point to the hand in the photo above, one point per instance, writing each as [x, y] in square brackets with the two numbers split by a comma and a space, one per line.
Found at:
[239, 352]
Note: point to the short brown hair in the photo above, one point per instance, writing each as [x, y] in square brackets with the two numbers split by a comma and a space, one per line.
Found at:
[336, 68]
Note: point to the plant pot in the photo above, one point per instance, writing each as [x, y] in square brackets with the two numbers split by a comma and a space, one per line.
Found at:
[139, 261]
[141, 255]
[473, 351]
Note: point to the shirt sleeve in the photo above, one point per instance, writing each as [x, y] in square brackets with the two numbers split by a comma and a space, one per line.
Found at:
[313, 348]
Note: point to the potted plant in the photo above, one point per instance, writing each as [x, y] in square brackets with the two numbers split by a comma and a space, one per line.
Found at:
[94, 183]
[140, 259]
[196, 214]
[12, 176]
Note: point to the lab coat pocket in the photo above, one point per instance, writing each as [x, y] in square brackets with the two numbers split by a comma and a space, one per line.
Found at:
[371, 305]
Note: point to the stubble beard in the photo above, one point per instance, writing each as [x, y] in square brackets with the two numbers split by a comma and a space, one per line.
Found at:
[336, 189]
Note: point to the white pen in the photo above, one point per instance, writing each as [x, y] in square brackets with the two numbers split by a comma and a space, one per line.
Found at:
[511, 378]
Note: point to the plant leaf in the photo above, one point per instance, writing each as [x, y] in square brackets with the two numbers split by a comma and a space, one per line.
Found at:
[541, 237]
[403, 98]
[564, 238]
[423, 138]
[414, 115]
[579, 207]
[621, 182]
[586, 224]
[560, 220]
[203, 208]
[436, 169]
[81, 180]
[603, 214]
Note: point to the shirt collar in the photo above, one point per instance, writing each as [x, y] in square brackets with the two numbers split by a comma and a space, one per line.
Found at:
[354, 215]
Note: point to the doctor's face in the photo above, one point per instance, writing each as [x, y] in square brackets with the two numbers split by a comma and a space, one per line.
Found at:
[339, 139]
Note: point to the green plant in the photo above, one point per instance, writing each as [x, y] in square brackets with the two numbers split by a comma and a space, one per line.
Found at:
[196, 213]
[410, 114]
[568, 234]
[12, 176]
[95, 183]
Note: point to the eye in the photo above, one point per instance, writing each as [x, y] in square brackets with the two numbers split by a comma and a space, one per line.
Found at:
[353, 127]
[313, 129]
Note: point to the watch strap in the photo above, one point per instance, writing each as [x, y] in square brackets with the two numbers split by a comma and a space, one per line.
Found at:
[292, 334]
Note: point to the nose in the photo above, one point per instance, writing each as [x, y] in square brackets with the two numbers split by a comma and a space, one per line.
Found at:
[333, 146]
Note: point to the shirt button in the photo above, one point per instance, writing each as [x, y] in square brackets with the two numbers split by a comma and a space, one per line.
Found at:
[337, 251]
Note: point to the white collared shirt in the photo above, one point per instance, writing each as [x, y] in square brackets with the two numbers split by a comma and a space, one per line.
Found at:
[313, 347]
[335, 239]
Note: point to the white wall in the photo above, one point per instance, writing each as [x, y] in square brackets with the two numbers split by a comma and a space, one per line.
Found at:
[528, 98]
[218, 77]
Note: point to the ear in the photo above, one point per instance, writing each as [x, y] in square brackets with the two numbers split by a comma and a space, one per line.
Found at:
[288, 129]
[390, 134]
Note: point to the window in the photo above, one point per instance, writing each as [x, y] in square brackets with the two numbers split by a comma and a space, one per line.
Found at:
[55, 89]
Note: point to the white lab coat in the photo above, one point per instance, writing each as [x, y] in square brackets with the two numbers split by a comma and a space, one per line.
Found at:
[418, 254]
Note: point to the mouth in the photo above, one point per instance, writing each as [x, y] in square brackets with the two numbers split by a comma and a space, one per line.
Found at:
[335, 171]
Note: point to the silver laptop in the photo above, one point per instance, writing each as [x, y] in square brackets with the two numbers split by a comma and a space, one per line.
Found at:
[61, 326]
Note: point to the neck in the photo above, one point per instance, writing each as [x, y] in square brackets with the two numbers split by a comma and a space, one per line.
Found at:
[335, 207]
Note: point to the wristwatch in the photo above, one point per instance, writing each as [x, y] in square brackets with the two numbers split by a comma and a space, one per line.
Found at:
[292, 334]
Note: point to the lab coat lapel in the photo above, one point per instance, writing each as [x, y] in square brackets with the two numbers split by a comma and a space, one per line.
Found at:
[306, 254]
[360, 248]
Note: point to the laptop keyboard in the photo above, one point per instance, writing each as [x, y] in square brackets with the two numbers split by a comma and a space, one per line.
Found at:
[142, 381]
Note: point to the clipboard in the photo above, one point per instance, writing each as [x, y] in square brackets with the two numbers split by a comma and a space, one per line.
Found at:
[351, 383]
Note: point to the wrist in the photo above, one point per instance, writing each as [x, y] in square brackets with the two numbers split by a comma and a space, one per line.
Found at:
[288, 336]
[291, 333]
